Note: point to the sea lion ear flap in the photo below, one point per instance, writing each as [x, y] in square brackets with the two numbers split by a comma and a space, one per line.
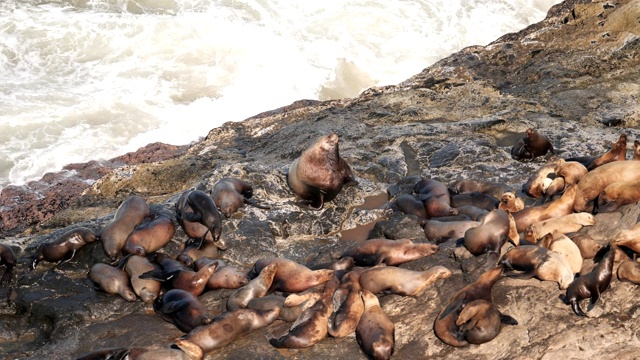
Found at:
[508, 320]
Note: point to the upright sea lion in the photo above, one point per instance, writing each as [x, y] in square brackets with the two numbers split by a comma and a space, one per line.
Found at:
[510, 202]
[617, 194]
[537, 261]
[618, 152]
[258, 287]
[226, 328]
[477, 199]
[561, 206]
[147, 289]
[230, 194]
[183, 309]
[562, 224]
[178, 276]
[391, 252]
[112, 280]
[64, 247]
[319, 174]
[470, 185]
[150, 235]
[225, 277]
[8, 259]
[292, 277]
[595, 181]
[480, 321]
[203, 211]
[490, 236]
[629, 271]
[535, 185]
[395, 280]
[537, 144]
[129, 214]
[593, 284]
[441, 231]
[375, 332]
[435, 197]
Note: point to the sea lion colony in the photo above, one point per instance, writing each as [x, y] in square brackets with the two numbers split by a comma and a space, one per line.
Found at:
[340, 299]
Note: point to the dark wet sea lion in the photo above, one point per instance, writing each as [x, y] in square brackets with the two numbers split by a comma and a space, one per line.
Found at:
[203, 211]
[477, 199]
[629, 271]
[114, 234]
[147, 289]
[441, 231]
[490, 236]
[520, 150]
[480, 321]
[595, 181]
[593, 284]
[183, 309]
[258, 287]
[618, 152]
[319, 174]
[8, 259]
[537, 261]
[470, 185]
[178, 276]
[119, 353]
[391, 252]
[194, 230]
[636, 150]
[230, 194]
[150, 235]
[112, 280]
[537, 144]
[395, 280]
[435, 196]
[226, 328]
[64, 247]
[192, 250]
[375, 332]
[292, 277]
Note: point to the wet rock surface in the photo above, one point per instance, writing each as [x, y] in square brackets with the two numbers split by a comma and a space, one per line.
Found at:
[573, 76]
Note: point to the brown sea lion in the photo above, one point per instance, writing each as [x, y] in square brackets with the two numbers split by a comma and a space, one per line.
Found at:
[8, 259]
[183, 309]
[288, 314]
[561, 206]
[435, 197]
[341, 266]
[636, 150]
[391, 252]
[629, 271]
[410, 205]
[192, 229]
[258, 287]
[490, 236]
[319, 174]
[178, 276]
[537, 144]
[561, 244]
[112, 280]
[563, 224]
[537, 261]
[629, 238]
[593, 284]
[587, 245]
[225, 277]
[226, 328]
[395, 280]
[535, 185]
[618, 152]
[161, 354]
[570, 171]
[477, 199]
[510, 202]
[312, 325]
[291, 277]
[192, 250]
[348, 305]
[480, 322]
[147, 289]
[230, 194]
[152, 234]
[473, 212]
[441, 231]
[470, 185]
[62, 248]
[114, 234]
[375, 332]
[617, 194]
[520, 150]
[198, 207]
[595, 181]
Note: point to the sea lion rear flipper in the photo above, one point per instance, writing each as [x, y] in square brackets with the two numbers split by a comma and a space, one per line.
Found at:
[508, 320]
[255, 204]
[576, 308]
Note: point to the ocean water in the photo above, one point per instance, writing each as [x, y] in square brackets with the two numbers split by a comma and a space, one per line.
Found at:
[94, 79]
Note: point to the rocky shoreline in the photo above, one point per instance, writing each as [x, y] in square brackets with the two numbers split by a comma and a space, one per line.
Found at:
[573, 76]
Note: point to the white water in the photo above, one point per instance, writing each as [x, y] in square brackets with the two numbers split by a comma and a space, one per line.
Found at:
[94, 79]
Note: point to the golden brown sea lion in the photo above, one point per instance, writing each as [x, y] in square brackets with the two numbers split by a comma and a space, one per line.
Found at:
[441, 231]
[114, 234]
[62, 248]
[395, 280]
[537, 261]
[319, 174]
[8, 259]
[490, 236]
[435, 197]
[112, 280]
[617, 194]
[147, 289]
[593, 284]
[595, 181]
[348, 305]
[225, 277]
[535, 185]
[178, 276]
[258, 287]
[375, 332]
[470, 185]
[152, 234]
[570, 171]
[391, 252]
[480, 322]
[562, 224]
[561, 206]
[629, 238]
[230, 194]
[292, 277]
[618, 152]
[183, 309]
[510, 202]
[629, 271]
[561, 244]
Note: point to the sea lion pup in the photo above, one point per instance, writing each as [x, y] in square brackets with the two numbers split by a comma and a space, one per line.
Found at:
[111, 280]
[375, 332]
[558, 242]
[563, 224]
[319, 174]
[391, 252]
[225, 277]
[150, 235]
[230, 194]
[410, 205]
[618, 152]
[559, 207]
[226, 328]
[288, 314]
[312, 325]
[535, 185]
[617, 194]
[480, 322]
[183, 309]
[291, 277]
[595, 181]
[62, 248]
[445, 326]
[258, 287]
[8, 259]
[347, 305]
[147, 289]
[537, 261]
[490, 236]
[441, 231]
[199, 207]
[588, 247]
[470, 185]
[629, 271]
[192, 251]
[473, 212]
[477, 199]
[395, 280]
[593, 284]
[115, 233]
[510, 202]
[435, 197]
[179, 276]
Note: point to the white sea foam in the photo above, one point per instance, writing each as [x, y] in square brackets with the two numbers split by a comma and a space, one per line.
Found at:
[93, 79]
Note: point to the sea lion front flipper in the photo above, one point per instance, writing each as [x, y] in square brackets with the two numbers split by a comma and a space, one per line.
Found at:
[508, 320]
[155, 274]
[594, 299]
[255, 204]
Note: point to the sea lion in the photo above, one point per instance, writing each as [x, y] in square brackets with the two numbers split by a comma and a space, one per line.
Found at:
[510, 202]
[8, 259]
[559, 207]
[410, 205]
[199, 207]
[291, 277]
[593, 284]
[288, 314]
[563, 224]
[470, 185]
[629, 238]
[226, 328]
[490, 236]
[477, 199]
[617, 194]
[312, 325]
[537, 144]
[395, 280]
[535, 185]
[391, 252]
[636, 150]
[435, 197]
[62, 248]
[520, 150]
[618, 152]
[191, 229]
[230, 194]
[441, 231]
[341, 266]
[153, 233]
[178, 276]
[225, 277]
[347, 305]
[112, 280]
[119, 353]
[192, 250]
[375, 332]
[319, 174]
[473, 212]
[587, 245]
[561, 244]
[570, 171]
[629, 271]
[183, 309]
[595, 181]
[537, 261]
[258, 287]
[147, 289]
[480, 322]
[114, 234]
